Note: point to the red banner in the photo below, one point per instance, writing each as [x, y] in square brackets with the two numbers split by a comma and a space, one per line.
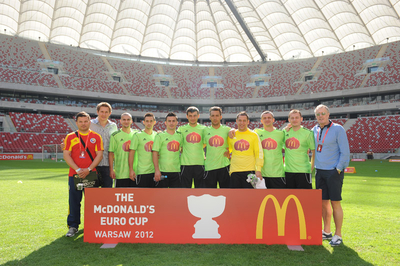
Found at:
[350, 170]
[11, 156]
[203, 216]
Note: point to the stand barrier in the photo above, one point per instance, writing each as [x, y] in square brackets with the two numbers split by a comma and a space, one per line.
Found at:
[203, 216]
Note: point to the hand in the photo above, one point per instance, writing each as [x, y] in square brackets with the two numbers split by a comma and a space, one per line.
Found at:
[338, 171]
[112, 174]
[157, 176]
[289, 126]
[83, 173]
[258, 174]
[232, 133]
[226, 154]
[132, 175]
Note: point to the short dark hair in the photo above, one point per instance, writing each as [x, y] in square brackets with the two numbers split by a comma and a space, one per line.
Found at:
[82, 114]
[149, 115]
[171, 114]
[104, 104]
[267, 112]
[192, 109]
[294, 111]
[243, 113]
[216, 108]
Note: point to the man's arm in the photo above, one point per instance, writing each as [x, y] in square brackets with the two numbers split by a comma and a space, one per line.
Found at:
[344, 150]
[132, 174]
[312, 159]
[96, 161]
[259, 156]
[111, 164]
[68, 159]
[157, 173]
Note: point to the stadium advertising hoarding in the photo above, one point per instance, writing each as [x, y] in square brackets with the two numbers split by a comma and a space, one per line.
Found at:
[203, 216]
[17, 156]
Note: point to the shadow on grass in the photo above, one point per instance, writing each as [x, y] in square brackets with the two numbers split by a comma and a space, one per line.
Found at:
[73, 251]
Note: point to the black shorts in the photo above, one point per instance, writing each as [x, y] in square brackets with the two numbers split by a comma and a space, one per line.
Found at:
[220, 175]
[126, 182]
[146, 180]
[190, 173]
[238, 179]
[172, 180]
[275, 182]
[331, 183]
[298, 180]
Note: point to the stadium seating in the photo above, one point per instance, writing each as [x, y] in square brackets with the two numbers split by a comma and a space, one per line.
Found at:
[88, 84]
[28, 142]
[376, 134]
[283, 77]
[78, 63]
[19, 53]
[26, 122]
[139, 78]
[339, 70]
[27, 77]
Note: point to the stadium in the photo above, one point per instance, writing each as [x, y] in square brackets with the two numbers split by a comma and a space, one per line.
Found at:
[61, 57]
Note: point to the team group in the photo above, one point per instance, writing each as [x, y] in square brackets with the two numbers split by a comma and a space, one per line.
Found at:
[175, 158]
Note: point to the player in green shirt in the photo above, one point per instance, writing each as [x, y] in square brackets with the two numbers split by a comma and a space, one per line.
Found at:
[216, 164]
[141, 149]
[272, 142]
[166, 149]
[192, 158]
[118, 151]
[298, 141]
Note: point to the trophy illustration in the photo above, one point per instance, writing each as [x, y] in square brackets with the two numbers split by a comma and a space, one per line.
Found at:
[206, 207]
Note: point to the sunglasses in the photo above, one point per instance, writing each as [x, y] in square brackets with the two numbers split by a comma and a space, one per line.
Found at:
[319, 114]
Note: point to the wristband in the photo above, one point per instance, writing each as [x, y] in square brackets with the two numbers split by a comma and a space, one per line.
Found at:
[77, 170]
[89, 169]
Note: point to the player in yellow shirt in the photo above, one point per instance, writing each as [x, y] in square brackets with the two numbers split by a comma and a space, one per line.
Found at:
[247, 153]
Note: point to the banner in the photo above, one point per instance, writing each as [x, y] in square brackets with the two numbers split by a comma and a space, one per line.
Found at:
[17, 156]
[350, 170]
[394, 160]
[358, 160]
[203, 216]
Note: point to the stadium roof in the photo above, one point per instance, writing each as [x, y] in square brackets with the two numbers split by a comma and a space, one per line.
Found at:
[207, 30]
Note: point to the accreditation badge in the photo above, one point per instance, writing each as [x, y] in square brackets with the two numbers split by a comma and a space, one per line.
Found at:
[319, 148]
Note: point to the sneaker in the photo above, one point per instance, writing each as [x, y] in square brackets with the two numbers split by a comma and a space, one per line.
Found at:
[336, 241]
[71, 232]
[326, 236]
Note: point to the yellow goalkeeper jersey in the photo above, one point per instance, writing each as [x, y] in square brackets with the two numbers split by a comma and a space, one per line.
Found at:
[247, 152]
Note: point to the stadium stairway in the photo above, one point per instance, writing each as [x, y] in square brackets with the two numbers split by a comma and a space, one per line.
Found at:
[8, 125]
[349, 123]
[71, 123]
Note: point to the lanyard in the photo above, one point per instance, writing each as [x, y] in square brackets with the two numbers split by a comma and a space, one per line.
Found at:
[80, 142]
[325, 133]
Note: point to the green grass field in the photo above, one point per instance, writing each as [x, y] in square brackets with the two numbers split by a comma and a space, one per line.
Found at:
[34, 205]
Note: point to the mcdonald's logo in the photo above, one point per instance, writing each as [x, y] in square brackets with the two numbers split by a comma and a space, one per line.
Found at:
[281, 216]
[216, 141]
[193, 138]
[292, 143]
[148, 146]
[242, 145]
[173, 146]
[269, 144]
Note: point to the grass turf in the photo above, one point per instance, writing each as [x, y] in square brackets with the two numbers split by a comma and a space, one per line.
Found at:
[34, 206]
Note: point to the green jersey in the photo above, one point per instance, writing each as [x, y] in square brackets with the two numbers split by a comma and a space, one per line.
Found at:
[168, 147]
[142, 144]
[297, 144]
[216, 143]
[192, 147]
[119, 145]
[272, 144]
